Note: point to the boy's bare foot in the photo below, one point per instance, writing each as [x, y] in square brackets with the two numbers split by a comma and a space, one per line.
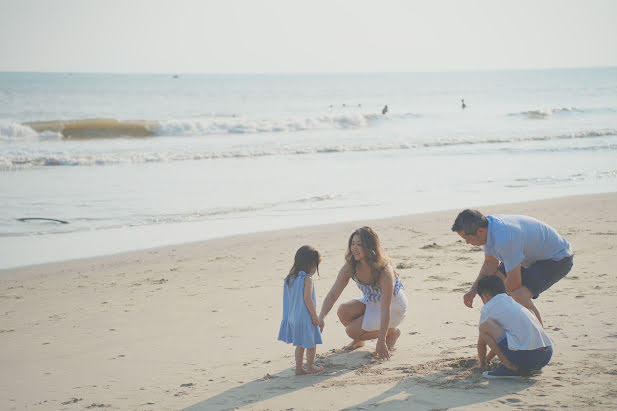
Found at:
[313, 369]
[354, 344]
[392, 337]
[300, 371]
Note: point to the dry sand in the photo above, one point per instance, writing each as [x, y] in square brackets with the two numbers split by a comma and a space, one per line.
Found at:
[195, 325]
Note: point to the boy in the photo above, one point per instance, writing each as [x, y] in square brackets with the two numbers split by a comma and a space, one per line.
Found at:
[512, 332]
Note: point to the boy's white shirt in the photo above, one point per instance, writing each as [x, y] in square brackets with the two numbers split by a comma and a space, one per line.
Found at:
[522, 328]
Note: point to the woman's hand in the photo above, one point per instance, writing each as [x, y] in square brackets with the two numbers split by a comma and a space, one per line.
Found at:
[382, 350]
[315, 319]
[321, 324]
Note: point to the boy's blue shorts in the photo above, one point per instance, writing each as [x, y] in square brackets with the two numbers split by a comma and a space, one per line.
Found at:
[541, 275]
[525, 360]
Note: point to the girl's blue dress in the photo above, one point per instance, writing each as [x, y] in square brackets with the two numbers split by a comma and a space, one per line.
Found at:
[297, 327]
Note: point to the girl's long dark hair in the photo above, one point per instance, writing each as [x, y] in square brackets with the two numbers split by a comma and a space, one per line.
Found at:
[305, 258]
[374, 254]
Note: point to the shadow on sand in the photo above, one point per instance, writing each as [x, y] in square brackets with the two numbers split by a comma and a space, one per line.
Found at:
[439, 384]
[335, 363]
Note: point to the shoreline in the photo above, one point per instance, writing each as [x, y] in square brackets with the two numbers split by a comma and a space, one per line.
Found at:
[105, 238]
[194, 326]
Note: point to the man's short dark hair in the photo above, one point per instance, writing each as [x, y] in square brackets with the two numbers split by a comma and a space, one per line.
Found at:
[468, 221]
[491, 285]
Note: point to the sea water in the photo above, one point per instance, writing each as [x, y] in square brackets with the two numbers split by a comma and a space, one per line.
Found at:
[137, 161]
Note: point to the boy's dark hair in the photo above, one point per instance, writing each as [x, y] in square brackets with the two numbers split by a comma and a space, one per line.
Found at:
[491, 285]
[468, 221]
[305, 258]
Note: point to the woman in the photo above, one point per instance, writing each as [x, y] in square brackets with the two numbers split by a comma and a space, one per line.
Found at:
[383, 304]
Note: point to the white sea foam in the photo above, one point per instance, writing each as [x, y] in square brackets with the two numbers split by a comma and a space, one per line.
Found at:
[27, 159]
[248, 125]
[107, 128]
[10, 130]
[236, 211]
[548, 112]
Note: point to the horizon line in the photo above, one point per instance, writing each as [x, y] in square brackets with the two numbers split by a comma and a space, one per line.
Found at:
[276, 73]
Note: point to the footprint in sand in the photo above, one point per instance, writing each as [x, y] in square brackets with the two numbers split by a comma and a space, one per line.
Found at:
[433, 246]
[71, 401]
[95, 405]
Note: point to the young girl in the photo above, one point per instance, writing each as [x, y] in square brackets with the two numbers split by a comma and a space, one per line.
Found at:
[300, 324]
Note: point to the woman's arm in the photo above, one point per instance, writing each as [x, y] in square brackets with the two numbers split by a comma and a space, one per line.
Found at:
[386, 282]
[308, 299]
[335, 292]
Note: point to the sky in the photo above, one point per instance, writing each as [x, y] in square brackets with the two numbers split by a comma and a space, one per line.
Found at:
[293, 36]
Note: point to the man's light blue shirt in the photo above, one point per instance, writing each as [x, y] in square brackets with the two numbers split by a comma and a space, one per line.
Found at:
[519, 239]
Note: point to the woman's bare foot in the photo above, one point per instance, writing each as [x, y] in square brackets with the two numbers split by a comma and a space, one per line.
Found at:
[354, 344]
[313, 369]
[392, 337]
[300, 371]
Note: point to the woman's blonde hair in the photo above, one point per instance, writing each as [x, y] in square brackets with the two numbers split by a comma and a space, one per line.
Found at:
[374, 254]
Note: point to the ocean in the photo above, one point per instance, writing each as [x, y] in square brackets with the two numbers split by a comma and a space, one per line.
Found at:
[94, 164]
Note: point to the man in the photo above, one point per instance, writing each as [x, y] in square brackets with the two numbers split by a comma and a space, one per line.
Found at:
[527, 254]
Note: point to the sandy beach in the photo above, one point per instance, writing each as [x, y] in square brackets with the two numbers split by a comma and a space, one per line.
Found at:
[195, 325]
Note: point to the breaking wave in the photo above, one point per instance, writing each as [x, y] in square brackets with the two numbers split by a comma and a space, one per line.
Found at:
[21, 159]
[113, 128]
[548, 112]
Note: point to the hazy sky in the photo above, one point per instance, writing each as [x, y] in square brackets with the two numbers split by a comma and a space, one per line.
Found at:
[231, 36]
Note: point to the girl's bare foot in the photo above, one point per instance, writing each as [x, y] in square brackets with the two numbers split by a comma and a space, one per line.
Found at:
[300, 371]
[313, 369]
[392, 337]
[354, 344]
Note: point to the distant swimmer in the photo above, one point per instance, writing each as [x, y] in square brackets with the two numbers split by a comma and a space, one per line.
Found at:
[463, 105]
[385, 109]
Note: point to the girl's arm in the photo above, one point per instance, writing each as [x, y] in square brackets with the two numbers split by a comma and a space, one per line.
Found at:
[335, 292]
[386, 282]
[308, 299]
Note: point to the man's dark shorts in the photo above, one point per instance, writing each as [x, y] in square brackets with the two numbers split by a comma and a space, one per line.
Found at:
[541, 275]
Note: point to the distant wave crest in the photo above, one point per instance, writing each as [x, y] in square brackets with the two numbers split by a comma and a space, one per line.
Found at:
[548, 112]
[111, 128]
[15, 160]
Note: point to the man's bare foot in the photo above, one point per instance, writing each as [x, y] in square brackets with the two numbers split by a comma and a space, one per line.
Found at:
[354, 344]
[300, 371]
[314, 369]
[392, 337]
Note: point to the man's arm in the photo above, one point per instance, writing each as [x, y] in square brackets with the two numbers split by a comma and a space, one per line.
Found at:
[489, 267]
